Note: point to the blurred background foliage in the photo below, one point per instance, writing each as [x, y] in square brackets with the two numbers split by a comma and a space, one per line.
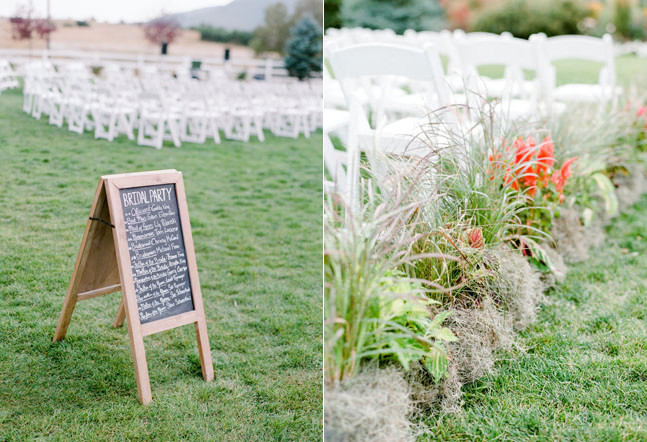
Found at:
[398, 15]
[625, 19]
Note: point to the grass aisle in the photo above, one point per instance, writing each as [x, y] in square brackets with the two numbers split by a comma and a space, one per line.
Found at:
[584, 374]
[256, 218]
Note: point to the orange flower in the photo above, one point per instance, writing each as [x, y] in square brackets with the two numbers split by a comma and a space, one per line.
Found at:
[510, 180]
[560, 177]
[524, 153]
[530, 181]
[545, 157]
[566, 168]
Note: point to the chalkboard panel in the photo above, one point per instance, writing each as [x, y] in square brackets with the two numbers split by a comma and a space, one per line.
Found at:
[157, 253]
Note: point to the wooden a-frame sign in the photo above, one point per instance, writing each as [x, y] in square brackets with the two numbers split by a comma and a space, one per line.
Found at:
[138, 240]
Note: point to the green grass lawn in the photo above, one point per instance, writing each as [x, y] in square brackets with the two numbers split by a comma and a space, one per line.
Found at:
[629, 69]
[584, 374]
[255, 212]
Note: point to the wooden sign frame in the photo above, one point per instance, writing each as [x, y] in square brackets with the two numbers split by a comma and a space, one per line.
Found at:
[103, 266]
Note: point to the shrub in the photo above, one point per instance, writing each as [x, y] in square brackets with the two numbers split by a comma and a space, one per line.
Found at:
[526, 17]
[222, 35]
[303, 49]
[370, 311]
[398, 15]
[628, 20]
[466, 212]
[332, 14]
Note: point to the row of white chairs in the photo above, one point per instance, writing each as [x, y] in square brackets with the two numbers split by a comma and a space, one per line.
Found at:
[398, 80]
[463, 53]
[159, 106]
[8, 77]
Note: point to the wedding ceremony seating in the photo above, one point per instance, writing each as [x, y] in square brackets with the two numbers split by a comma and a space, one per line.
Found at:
[382, 88]
[8, 78]
[152, 104]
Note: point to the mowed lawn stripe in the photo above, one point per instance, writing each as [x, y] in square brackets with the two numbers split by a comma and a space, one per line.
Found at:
[583, 375]
[256, 218]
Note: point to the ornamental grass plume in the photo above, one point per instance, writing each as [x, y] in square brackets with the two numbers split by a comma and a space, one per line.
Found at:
[371, 311]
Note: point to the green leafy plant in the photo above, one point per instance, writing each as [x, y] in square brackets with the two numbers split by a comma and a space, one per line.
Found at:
[371, 312]
[409, 325]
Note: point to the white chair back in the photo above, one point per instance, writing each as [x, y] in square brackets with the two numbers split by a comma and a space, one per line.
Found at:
[515, 54]
[381, 64]
[578, 47]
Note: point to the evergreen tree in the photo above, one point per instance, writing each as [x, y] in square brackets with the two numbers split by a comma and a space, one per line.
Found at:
[304, 49]
[332, 14]
[399, 15]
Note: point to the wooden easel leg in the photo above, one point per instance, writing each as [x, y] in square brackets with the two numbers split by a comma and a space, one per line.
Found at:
[204, 350]
[141, 369]
[65, 316]
[121, 315]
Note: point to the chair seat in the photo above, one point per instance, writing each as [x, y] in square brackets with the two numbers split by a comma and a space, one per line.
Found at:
[587, 93]
[407, 137]
[335, 119]
[411, 104]
[497, 87]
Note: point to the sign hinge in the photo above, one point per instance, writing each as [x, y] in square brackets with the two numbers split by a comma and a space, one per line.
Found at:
[101, 220]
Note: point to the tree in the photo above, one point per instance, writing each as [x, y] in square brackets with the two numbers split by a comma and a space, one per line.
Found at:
[24, 25]
[162, 31]
[308, 7]
[304, 49]
[332, 14]
[399, 15]
[272, 35]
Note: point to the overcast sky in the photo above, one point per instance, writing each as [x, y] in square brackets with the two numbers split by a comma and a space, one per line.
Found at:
[108, 10]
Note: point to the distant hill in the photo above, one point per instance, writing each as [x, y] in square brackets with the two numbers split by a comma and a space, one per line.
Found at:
[240, 15]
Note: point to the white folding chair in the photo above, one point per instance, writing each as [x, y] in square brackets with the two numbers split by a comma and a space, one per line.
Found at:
[519, 97]
[578, 47]
[79, 107]
[372, 68]
[113, 115]
[157, 121]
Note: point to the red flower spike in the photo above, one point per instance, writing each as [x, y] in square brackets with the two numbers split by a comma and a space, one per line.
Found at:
[530, 180]
[566, 168]
[545, 157]
[475, 238]
[560, 177]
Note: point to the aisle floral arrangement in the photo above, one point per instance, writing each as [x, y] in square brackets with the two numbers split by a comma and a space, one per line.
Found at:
[427, 283]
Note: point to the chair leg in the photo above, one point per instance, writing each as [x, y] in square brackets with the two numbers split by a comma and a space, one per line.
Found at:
[258, 126]
[159, 138]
